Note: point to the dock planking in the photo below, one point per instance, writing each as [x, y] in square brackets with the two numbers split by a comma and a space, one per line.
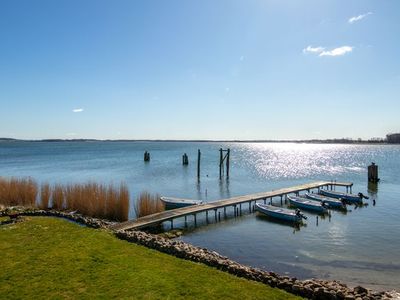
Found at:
[169, 215]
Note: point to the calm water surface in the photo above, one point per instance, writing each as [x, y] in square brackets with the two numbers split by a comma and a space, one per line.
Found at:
[359, 247]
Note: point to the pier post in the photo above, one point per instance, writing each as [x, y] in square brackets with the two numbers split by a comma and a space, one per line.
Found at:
[227, 162]
[220, 163]
[207, 216]
[235, 210]
[224, 211]
[185, 159]
[373, 173]
[172, 223]
[185, 221]
[195, 220]
[250, 206]
[198, 163]
[219, 216]
[146, 156]
[240, 205]
[281, 200]
[265, 200]
[215, 213]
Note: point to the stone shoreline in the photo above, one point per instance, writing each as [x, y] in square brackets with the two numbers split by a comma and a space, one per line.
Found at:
[311, 289]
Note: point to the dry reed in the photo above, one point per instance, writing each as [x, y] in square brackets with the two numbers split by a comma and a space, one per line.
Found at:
[15, 192]
[148, 204]
[90, 199]
[45, 193]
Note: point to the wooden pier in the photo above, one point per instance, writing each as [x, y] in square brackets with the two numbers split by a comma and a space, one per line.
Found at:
[235, 202]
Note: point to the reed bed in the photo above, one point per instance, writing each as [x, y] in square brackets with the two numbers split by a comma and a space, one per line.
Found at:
[148, 204]
[90, 199]
[15, 191]
[45, 194]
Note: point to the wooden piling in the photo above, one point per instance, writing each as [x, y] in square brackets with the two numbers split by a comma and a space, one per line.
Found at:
[146, 156]
[185, 159]
[373, 173]
[227, 162]
[198, 163]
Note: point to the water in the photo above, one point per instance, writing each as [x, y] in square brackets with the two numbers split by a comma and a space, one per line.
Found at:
[360, 247]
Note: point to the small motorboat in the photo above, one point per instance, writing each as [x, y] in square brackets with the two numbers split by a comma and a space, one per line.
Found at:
[171, 203]
[332, 202]
[351, 198]
[307, 204]
[283, 214]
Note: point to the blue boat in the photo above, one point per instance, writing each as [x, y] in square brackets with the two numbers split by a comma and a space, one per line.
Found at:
[307, 204]
[332, 202]
[171, 203]
[344, 196]
[283, 214]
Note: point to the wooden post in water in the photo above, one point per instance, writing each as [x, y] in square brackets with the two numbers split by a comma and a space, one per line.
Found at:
[198, 163]
[373, 173]
[222, 159]
[228, 154]
[220, 163]
[146, 156]
[185, 159]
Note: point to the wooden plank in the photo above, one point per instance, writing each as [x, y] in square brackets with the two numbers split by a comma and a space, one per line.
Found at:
[158, 218]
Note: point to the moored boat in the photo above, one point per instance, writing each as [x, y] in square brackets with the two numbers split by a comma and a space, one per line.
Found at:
[307, 204]
[345, 196]
[283, 214]
[171, 203]
[332, 202]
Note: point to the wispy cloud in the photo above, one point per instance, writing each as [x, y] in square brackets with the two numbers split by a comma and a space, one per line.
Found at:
[337, 51]
[333, 52]
[311, 49]
[77, 110]
[359, 17]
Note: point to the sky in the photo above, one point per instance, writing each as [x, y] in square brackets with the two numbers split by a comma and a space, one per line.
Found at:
[226, 69]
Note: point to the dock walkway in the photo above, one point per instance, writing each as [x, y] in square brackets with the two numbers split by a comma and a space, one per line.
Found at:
[170, 215]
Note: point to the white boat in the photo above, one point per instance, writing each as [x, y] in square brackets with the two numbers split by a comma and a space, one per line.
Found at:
[307, 204]
[332, 202]
[284, 214]
[171, 203]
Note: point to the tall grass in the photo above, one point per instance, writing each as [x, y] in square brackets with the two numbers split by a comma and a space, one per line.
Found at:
[90, 199]
[14, 191]
[148, 204]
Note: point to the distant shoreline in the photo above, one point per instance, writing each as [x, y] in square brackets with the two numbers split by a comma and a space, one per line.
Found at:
[312, 141]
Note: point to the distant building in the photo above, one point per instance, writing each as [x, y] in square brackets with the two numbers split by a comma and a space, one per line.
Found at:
[393, 138]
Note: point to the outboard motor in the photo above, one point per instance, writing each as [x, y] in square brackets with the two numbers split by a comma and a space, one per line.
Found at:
[325, 204]
[343, 203]
[361, 195]
[298, 213]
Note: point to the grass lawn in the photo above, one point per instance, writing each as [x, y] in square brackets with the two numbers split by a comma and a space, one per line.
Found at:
[54, 258]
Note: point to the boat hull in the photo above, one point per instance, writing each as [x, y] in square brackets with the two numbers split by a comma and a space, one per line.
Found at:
[332, 202]
[282, 214]
[172, 203]
[307, 204]
[348, 197]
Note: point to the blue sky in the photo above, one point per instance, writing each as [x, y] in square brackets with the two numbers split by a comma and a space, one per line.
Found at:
[253, 69]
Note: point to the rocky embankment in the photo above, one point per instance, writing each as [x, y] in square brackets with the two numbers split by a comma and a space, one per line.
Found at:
[15, 212]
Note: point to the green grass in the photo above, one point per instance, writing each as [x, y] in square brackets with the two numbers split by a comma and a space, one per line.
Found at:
[53, 258]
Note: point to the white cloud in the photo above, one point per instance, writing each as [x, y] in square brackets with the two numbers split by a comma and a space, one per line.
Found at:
[359, 17]
[337, 51]
[311, 49]
[77, 110]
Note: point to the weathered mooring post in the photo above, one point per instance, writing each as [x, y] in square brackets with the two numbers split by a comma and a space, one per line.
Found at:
[222, 159]
[373, 173]
[185, 159]
[146, 156]
[198, 164]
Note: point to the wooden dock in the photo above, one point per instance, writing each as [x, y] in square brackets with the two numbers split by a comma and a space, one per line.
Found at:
[170, 215]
